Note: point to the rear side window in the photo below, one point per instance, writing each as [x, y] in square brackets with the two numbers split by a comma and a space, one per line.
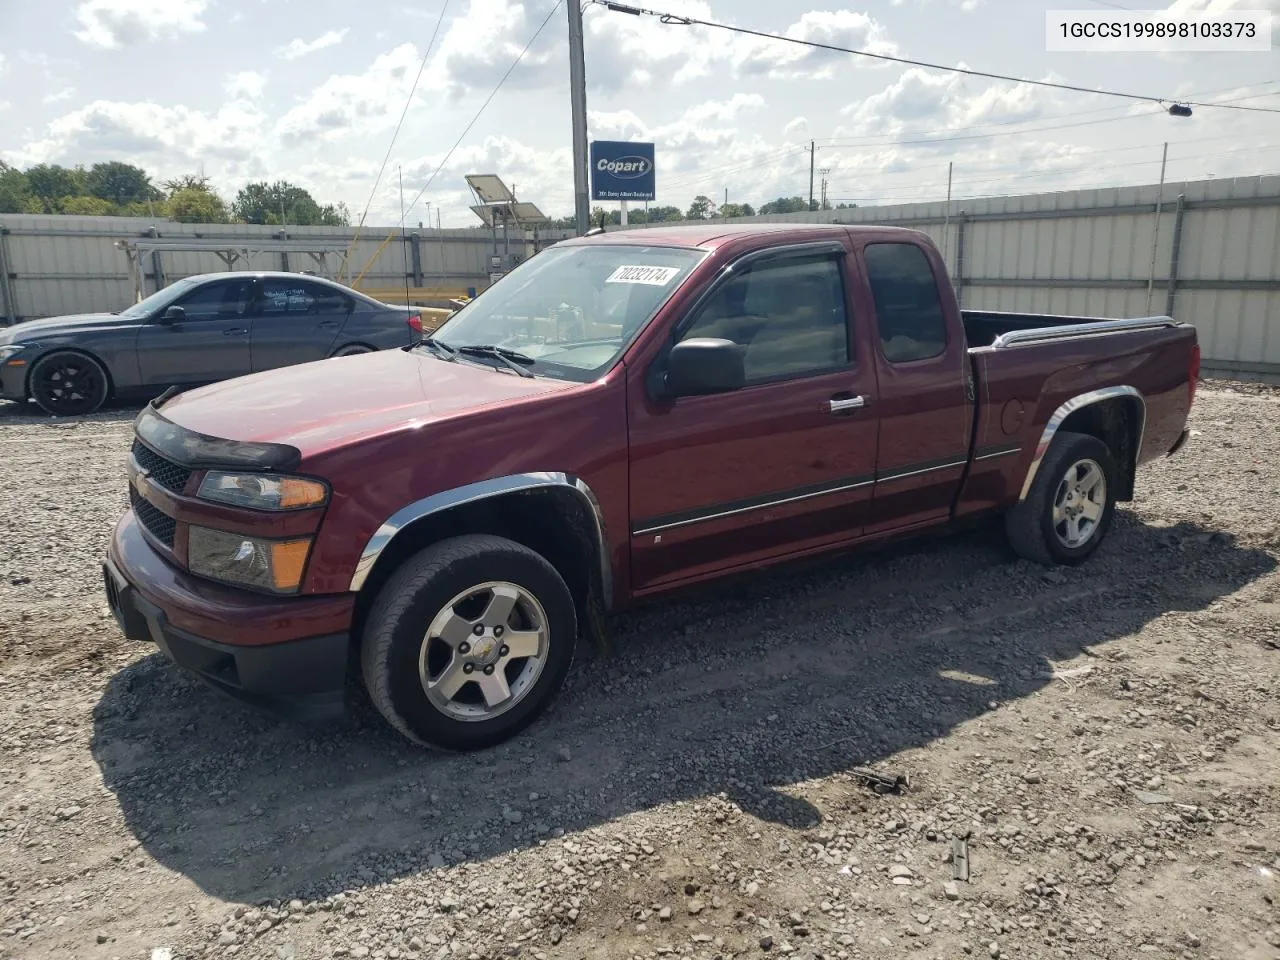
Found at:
[287, 297]
[908, 309]
[220, 300]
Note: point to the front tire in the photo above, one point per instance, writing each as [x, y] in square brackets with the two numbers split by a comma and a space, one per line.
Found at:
[1069, 508]
[68, 384]
[468, 642]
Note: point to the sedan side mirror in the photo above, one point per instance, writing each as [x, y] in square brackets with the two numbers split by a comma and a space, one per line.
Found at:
[703, 365]
[173, 315]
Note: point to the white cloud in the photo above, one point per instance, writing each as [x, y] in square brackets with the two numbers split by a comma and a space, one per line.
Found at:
[66, 93]
[796, 127]
[111, 24]
[4, 105]
[926, 101]
[297, 47]
[462, 62]
[158, 137]
[682, 54]
[356, 100]
[247, 84]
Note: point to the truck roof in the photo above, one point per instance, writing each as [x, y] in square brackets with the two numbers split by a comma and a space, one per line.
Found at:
[715, 234]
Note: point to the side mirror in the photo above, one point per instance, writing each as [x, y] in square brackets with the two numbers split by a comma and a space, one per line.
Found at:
[704, 365]
[173, 315]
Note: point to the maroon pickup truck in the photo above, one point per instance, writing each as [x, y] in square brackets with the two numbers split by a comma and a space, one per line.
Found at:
[622, 415]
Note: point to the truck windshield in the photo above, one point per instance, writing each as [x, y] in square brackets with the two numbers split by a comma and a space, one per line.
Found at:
[572, 310]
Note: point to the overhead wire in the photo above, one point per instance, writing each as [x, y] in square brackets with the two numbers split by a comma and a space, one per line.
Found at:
[394, 136]
[467, 129]
[671, 18]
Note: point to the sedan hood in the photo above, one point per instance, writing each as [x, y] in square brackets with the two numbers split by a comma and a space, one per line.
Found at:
[32, 329]
[321, 405]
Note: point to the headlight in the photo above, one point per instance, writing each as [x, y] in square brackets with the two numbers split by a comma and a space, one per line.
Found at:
[262, 491]
[8, 351]
[273, 565]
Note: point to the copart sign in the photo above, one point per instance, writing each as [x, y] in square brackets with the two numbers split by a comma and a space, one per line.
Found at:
[621, 170]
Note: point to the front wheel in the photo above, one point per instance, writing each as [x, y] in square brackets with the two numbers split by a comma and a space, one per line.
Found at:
[67, 384]
[1068, 511]
[468, 642]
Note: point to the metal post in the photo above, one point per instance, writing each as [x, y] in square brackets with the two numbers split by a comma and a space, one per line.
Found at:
[284, 254]
[624, 213]
[6, 291]
[958, 273]
[1172, 291]
[946, 217]
[415, 251]
[1155, 240]
[157, 265]
[578, 107]
[811, 148]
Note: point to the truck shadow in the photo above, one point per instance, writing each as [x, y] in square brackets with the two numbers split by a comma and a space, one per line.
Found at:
[745, 691]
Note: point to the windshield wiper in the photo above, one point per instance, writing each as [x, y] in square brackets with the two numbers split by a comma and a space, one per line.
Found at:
[512, 358]
[442, 349]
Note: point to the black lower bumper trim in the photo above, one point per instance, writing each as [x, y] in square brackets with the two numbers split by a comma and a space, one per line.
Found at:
[300, 680]
[1182, 438]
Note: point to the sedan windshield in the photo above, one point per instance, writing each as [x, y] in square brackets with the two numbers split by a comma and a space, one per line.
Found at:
[161, 298]
[571, 310]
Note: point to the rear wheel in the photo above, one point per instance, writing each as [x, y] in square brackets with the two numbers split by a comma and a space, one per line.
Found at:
[67, 384]
[1068, 511]
[468, 642]
[351, 349]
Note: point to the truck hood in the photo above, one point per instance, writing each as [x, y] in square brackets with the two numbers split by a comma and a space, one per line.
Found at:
[321, 405]
[32, 329]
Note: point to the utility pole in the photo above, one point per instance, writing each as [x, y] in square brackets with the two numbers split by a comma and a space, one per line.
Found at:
[946, 217]
[822, 204]
[810, 174]
[1155, 242]
[578, 105]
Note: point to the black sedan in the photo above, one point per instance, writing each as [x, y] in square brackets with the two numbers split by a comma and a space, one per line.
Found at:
[196, 330]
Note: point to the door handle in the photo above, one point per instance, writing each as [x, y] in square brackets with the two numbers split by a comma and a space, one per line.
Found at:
[847, 403]
[235, 331]
[327, 323]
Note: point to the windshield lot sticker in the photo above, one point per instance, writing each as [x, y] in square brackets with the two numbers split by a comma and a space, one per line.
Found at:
[656, 276]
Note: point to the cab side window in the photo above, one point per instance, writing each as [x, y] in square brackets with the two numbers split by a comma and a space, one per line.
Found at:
[908, 309]
[788, 317]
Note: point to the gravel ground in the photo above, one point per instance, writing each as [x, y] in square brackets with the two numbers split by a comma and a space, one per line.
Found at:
[1104, 737]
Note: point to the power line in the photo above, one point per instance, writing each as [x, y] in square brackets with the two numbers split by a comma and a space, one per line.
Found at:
[494, 93]
[395, 134]
[671, 18]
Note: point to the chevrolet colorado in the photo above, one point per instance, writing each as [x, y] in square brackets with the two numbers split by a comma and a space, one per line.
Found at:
[622, 415]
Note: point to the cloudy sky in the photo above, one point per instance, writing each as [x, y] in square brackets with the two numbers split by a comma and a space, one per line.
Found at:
[311, 90]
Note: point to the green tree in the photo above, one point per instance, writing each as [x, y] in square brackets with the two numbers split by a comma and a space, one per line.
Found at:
[87, 207]
[730, 210]
[195, 205]
[284, 203]
[702, 208]
[120, 183]
[50, 183]
[664, 214]
[15, 192]
[785, 205]
[188, 181]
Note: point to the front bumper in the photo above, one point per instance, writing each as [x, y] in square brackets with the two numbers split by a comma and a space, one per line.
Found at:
[278, 663]
[13, 382]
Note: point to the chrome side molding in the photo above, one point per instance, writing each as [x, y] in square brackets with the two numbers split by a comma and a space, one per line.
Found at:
[1070, 407]
[484, 490]
[1015, 338]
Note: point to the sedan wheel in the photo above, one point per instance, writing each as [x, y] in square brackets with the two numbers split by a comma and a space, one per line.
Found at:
[351, 350]
[68, 384]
